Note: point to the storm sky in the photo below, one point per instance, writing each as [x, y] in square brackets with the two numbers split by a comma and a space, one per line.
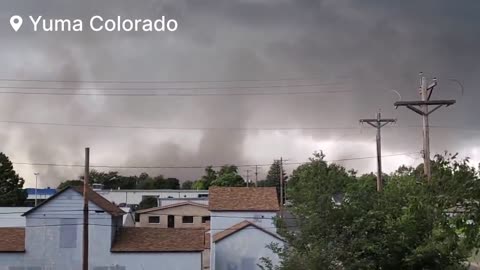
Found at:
[357, 52]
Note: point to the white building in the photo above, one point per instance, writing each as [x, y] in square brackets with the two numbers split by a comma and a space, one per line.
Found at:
[242, 227]
[52, 239]
[135, 196]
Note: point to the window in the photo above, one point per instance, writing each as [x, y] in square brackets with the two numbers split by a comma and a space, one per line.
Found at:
[153, 219]
[68, 233]
[187, 219]
[205, 219]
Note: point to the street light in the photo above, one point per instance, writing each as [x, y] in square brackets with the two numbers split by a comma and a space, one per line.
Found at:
[36, 186]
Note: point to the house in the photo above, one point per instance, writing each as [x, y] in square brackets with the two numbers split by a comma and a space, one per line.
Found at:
[135, 196]
[52, 239]
[242, 226]
[180, 215]
[186, 215]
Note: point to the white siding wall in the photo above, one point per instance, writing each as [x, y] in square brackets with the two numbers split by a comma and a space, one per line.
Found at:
[224, 220]
[221, 221]
[243, 250]
[43, 242]
[12, 216]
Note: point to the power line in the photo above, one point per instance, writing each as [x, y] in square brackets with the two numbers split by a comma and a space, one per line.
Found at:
[154, 81]
[198, 166]
[162, 88]
[171, 128]
[178, 94]
[215, 128]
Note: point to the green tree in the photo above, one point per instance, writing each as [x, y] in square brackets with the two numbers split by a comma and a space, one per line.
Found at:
[148, 202]
[205, 181]
[343, 223]
[273, 178]
[11, 192]
[170, 183]
[70, 183]
[228, 177]
[200, 185]
[187, 185]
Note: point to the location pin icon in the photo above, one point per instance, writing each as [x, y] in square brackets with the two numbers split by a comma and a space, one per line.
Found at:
[16, 22]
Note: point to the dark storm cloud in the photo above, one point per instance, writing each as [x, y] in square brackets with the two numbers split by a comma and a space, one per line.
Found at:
[366, 47]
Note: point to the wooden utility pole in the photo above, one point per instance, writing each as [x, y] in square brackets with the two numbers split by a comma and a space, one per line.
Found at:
[256, 175]
[378, 123]
[281, 184]
[421, 108]
[85, 209]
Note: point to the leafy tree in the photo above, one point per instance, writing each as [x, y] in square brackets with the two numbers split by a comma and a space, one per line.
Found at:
[170, 183]
[205, 181]
[187, 185]
[148, 202]
[200, 185]
[343, 223]
[228, 177]
[229, 180]
[70, 183]
[11, 192]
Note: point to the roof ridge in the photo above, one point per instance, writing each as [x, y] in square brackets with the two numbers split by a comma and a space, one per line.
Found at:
[92, 196]
[171, 206]
[238, 227]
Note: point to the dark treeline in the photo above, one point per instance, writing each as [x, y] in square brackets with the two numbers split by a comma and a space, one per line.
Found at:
[113, 180]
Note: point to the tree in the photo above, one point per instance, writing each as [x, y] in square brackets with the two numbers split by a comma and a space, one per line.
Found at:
[11, 192]
[228, 177]
[273, 178]
[205, 181]
[170, 183]
[148, 202]
[70, 183]
[343, 223]
[187, 184]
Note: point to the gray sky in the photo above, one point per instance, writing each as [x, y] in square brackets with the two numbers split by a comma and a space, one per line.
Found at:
[361, 49]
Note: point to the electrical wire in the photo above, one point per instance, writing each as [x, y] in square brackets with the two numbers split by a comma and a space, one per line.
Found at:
[163, 88]
[178, 94]
[217, 128]
[154, 81]
[199, 166]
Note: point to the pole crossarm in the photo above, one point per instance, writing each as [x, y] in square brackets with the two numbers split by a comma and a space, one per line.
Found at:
[412, 105]
[429, 102]
[383, 121]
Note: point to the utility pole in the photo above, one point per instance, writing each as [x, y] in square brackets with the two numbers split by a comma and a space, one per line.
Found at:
[85, 209]
[256, 175]
[248, 177]
[36, 186]
[421, 108]
[378, 123]
[281, 185]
